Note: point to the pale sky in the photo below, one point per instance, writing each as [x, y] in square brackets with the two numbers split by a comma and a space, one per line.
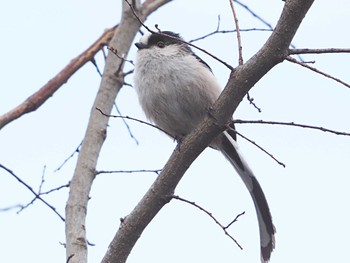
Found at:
[308, 199]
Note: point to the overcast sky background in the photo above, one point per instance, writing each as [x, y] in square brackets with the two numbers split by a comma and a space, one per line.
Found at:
[309, 199]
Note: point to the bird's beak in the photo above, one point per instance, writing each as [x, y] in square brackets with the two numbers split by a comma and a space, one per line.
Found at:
[140, 45]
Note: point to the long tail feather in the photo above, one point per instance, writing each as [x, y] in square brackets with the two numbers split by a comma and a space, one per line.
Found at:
[229, 148]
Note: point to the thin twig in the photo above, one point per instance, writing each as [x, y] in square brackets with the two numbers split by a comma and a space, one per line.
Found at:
[128, 73]
[218, 24]
[255, 14]
[218, 31]
[251, 101]
[293, 124]
[293, 60]
[69, 157]
[212, 217]
[235, 220]
[240, 49]
[156, 171]
[227, 32]
[5, 209]
[55, 189]
[126, 125]
[42, 179]
[93, 61]
[32, 191]
[239, 40]
[27, 205]
[296, 51]
[261, 148]
[22, 207]
[133, 119]
[115, 52]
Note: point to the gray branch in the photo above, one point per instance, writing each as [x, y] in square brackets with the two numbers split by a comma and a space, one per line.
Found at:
[84, 174]
[297, 51]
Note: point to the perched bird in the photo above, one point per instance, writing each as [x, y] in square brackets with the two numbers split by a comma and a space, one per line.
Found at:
[176, 89]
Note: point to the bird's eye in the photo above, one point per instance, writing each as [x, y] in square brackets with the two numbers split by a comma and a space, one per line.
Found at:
[160, 44]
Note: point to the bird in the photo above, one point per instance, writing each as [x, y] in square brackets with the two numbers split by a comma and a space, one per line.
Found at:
[176, 88]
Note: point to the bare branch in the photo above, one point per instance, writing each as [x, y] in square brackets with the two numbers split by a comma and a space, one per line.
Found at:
[227, 32]
[224, 228]
[126, 124]
[235, 220]
[261, 148]
[293, 124]
[239, 41]
[55, 189]
[84, 174]
[33, 102]
[133, 119]
[293, 60]
[296, 51]
[240, 54]
[156, 171]
[254, 14]
[93, 61]
[36, 196]
[115, 52]
[68, 158]
[42, 179]
[218, 31]
[5, 209]
[251, 101]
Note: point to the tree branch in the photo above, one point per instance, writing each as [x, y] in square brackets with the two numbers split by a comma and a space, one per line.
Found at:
[156, 171]
[217, 31]
[298, 51]
[224, 228]
[293, 124]
[36, 196]
[261, 148]
[133, 119]
[238, 34]
[84, 174]
[254, 14]
[68, 158]
[33, 102]
[295, 61]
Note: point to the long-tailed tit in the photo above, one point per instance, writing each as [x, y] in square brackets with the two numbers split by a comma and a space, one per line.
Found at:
[175, 89]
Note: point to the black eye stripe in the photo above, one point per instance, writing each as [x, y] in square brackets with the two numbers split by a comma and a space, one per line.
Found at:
[154, 39]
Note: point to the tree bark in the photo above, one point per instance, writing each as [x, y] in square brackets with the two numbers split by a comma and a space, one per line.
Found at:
[84, 174]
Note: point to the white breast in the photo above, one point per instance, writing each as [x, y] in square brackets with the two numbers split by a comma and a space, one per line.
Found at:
[175, 90]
